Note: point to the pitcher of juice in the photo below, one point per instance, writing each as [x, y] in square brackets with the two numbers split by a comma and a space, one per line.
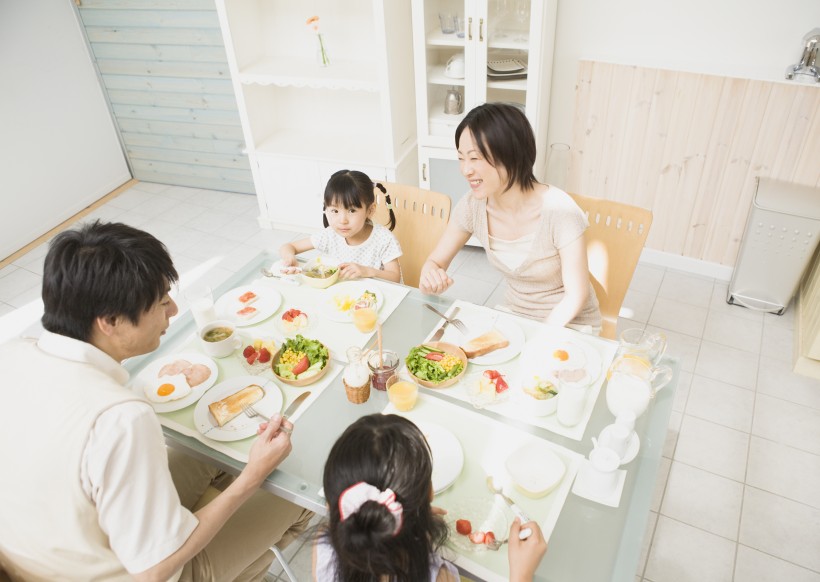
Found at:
[632, 383]
[643, 345]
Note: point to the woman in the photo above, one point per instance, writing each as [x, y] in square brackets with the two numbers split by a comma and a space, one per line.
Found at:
[532, 232]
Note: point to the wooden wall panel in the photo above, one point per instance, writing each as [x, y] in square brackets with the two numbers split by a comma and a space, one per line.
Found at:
[689, 146]
[164, 67]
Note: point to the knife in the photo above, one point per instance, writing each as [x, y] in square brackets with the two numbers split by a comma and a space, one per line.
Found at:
[295, 404]
[440, 332]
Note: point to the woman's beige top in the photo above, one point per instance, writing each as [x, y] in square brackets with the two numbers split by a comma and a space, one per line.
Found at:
[535, 286]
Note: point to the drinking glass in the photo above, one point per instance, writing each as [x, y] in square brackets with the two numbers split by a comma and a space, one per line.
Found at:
[381, 370]
[201, 302]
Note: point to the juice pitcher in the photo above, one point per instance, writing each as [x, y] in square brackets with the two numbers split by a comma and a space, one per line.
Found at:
[643, 345]
[633, 383]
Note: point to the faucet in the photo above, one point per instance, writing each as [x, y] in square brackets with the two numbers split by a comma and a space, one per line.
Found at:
[806, 70]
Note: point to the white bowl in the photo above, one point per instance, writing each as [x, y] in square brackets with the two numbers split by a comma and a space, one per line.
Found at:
[320, 283]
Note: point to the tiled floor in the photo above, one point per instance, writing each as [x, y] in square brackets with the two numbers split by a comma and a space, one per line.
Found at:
[738, 494]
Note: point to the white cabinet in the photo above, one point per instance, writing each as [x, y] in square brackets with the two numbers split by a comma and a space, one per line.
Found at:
[493, 30]
[303, 121]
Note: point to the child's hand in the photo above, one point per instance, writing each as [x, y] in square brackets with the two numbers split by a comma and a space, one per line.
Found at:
[525, 555]
[353, 271]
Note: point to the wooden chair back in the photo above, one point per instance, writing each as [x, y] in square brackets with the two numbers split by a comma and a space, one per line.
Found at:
[615, 238]
[421, 217]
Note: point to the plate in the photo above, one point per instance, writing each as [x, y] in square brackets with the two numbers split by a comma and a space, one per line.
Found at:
[242, 426]
[508, 328]
[535, 469]
[266, 304]
[448, 456]
[584, 486]
[353, 290]
[537, 357]
[148, 376]
[484, 513]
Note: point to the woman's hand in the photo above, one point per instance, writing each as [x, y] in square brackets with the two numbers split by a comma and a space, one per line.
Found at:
[434, 280]
[525, 555]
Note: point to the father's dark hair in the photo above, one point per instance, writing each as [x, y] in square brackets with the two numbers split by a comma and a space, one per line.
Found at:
[505, 138]
[102, 270]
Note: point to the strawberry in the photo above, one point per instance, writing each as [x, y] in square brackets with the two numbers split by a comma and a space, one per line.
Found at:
[252, 358]
[264, 356]
[435, 356]
[464, 527]
[491, 374]
[489, 538]
[477, 537]
[301, 366]
[248, 351]
[500, 385]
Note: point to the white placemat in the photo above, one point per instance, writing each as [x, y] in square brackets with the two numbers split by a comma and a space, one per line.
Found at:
[487, 444]
[477, 318]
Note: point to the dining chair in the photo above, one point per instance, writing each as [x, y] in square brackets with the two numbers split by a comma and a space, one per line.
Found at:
[615, 238]
[421, 217]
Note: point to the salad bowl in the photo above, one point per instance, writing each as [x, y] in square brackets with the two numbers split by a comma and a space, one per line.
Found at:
[422, 364]
[317, 353]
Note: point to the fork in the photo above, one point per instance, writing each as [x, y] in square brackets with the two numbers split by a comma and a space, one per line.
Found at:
[457, 323]
[250, 412]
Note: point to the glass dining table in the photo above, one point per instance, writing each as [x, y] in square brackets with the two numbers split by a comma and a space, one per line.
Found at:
[589, 542]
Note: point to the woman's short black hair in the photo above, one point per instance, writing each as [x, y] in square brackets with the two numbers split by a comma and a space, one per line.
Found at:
[102, 270]
[505, 138]
[386, 451]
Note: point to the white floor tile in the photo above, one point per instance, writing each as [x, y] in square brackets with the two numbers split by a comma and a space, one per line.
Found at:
[682, 391]
[781, 527]
[6, 308]
[672, 434]
[721, 403]
[17, 281]
[688, 289]
[784, 471]
[754, 566]
[712, 447]
[8, 270]
[183, 212]
[469, 289]
[180, 193]
[637, 305]
[704, 500]
[733, 331]
[778, 342]
[660, 484]
[130, 199]
[153, 187]
[647, 278]
[787, 423]
[718, 304]
[33, 260]
[775, 378]
[729, 365]
[497, 296]
[210, 221]
[682, 553]
[676, 316]
[28, 297]
[649, 533]
[785, 320]
[478, 267]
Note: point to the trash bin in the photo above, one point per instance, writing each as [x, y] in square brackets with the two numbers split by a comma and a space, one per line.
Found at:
[781, 234]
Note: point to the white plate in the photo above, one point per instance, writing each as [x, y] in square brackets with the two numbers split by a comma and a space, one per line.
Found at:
[266, 304]
[478, 326]
[584, 486]
[352, 289]
[148, 376]
[448, 456]
[485, 514]
[242, 426]
[536, 357]
[535, 469]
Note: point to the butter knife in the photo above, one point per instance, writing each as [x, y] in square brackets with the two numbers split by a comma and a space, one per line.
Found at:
[295, 404]
[440, 331]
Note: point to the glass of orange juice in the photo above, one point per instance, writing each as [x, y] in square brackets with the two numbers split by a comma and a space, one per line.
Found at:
[364, 318]
[402, 392]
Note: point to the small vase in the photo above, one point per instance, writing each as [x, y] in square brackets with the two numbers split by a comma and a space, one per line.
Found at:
[322, 58]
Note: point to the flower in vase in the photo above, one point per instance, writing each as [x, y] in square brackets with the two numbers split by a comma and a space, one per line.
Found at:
[313, 25]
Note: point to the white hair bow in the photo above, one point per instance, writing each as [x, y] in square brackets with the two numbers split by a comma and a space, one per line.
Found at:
[356, 495]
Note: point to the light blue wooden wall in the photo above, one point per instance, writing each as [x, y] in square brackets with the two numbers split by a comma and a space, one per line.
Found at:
[164, 67]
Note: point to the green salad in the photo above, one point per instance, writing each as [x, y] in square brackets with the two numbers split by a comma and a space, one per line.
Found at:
[301, 358]
[433, 365]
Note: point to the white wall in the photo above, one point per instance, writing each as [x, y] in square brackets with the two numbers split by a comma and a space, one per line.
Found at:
[58, 147]
[754, 39]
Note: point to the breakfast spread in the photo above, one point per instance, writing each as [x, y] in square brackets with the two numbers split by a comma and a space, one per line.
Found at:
[230, 407]
[485, 343]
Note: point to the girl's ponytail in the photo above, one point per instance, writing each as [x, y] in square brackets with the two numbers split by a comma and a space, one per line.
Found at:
[389, 203]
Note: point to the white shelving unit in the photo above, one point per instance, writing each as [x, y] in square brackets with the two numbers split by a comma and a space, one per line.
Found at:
[303, 121]
[493, 29]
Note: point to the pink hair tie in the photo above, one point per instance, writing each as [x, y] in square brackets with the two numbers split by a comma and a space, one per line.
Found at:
[357, 495]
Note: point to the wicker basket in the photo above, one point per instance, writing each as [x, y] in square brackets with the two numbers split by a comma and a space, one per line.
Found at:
[357, 394]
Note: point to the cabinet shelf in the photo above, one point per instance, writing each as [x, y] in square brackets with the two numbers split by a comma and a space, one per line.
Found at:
[324, 146]
[509, 40]
[291, 72]
[436, 38]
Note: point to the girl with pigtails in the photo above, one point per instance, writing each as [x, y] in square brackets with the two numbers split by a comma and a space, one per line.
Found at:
[362, 247]
[382, 526]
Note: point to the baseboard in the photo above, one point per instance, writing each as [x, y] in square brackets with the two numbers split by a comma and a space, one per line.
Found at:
[686, 264]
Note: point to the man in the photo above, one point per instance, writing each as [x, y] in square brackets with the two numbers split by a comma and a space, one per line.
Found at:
[86, 492]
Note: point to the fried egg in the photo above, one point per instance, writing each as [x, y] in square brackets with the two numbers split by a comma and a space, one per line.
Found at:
[168, 388]
[567, 357]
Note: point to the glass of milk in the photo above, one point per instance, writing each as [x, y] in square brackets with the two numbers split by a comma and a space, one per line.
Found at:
[201, 302]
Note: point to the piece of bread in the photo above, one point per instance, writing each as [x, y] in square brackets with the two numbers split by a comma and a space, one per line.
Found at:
[230, 407]
[485, 343]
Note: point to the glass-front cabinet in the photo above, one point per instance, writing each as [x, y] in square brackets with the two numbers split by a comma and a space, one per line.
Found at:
[472, 52]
